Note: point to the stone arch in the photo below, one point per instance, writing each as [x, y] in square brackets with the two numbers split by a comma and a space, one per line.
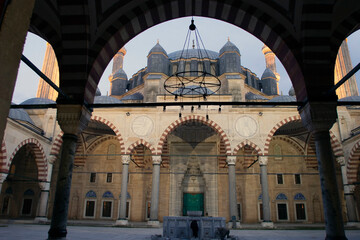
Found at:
[336, 145]
[196, 118]
[40, 157]
[3, 165]
[113, 127]
[98, 142]
[292, 142]
[275, 128]
[139, 142]
[353, 163]
[56, 146]
[243, 144]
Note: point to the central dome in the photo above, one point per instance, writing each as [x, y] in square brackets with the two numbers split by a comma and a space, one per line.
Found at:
[193, 53]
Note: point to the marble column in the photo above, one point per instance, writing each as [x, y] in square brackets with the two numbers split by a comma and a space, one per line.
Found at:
[263, 160]
[72, 120]
[234, 216]
[318, 118]
[43, 203]
[154, 208]
[124, 182]
[349, 194]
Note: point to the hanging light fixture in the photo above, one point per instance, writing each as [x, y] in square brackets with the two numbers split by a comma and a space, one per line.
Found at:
[193, 83]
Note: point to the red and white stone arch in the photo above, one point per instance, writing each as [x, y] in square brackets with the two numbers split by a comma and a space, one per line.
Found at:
[40, 157]
[249, 143]
[98, 142]
[353, 163]
[275, 128]
[336, 145]
[3, 164]
[196, 118]
[141, 142]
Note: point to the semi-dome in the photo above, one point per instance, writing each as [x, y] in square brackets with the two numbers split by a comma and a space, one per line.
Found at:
[106, 100]
[268, 74]
[157, 48]
[253, 96]
[283, 98]
[38, 101]
[229, 47]
[135, 96]
[20, 115]
[193, 53]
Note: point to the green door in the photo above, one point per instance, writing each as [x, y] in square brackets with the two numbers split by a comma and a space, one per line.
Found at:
[193, 202]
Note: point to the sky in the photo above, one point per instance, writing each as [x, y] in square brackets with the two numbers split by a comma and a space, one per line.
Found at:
[171, 36]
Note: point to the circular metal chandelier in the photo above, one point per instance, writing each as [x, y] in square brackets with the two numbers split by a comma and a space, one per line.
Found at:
[193, 83]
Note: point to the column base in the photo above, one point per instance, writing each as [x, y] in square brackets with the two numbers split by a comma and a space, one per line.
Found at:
[41, 220]
[121, 222]
[153, 223]
[267, 224]
[353, 224]
[230, 225]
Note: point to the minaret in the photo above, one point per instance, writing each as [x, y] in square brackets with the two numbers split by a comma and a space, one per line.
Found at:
[118, 78]
[51, 70]
[343, 65]
[270, 63]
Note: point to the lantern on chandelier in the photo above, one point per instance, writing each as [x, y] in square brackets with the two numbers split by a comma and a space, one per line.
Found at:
[193, 83]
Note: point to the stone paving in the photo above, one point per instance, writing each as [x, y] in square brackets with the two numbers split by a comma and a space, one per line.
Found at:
[32, 232]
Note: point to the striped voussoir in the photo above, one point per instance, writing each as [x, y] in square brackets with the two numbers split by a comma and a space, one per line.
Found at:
[141, 142]
[353, 164]
[3, 164]
[113, 127]
[195, 118]
[56, 146]
[310, 159]
[40, 157]
[98, 142]
[247, 143]
[336, 145]
[275, 128]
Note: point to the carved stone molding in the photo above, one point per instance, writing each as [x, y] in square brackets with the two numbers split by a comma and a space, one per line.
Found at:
[231, 160]
[125, 159]
[263, 160]
[156, 159]
[73, 118]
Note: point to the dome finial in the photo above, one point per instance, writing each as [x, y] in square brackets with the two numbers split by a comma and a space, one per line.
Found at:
[157, 41]
[228, 39]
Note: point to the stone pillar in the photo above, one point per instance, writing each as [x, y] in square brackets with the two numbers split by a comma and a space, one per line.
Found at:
[72, 120]
[263, 160]
[13, 32]
[154, 209]
[43, 203]
[318, 118]
[124, 182]
[234, 216]
[349, 194]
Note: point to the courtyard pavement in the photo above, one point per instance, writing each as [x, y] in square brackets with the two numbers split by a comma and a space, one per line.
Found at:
[32, 232]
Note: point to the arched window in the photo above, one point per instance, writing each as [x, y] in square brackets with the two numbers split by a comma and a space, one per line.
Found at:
[107, 204]
[282, 207]
[90, 204]
[300, 207]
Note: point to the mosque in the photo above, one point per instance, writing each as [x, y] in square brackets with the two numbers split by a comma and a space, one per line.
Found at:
[252, 164]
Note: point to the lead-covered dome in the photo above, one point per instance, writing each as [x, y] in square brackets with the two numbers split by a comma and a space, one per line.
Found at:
[283, 98]
[37, 101]
[158, 48]
[20, 115]
[229, 47]
[106, 100]
[193, 53]
[268, 74]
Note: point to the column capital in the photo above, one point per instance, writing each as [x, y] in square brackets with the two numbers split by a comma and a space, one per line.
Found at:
[72, 118]
[44, 186]
[263, 160]
[318, 116]
[2, 177]
[52, 159]
[351, 188]
[341, 160]
[156, 159]
[125, 159]
[231, 160]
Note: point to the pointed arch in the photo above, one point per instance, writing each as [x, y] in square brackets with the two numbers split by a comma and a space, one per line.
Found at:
[56, 146]
[140, 142]
[195, 118]
[98, 142]
[40, 157]
[336, 145]
[353, 163]
[249, 143]
[275, 128]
